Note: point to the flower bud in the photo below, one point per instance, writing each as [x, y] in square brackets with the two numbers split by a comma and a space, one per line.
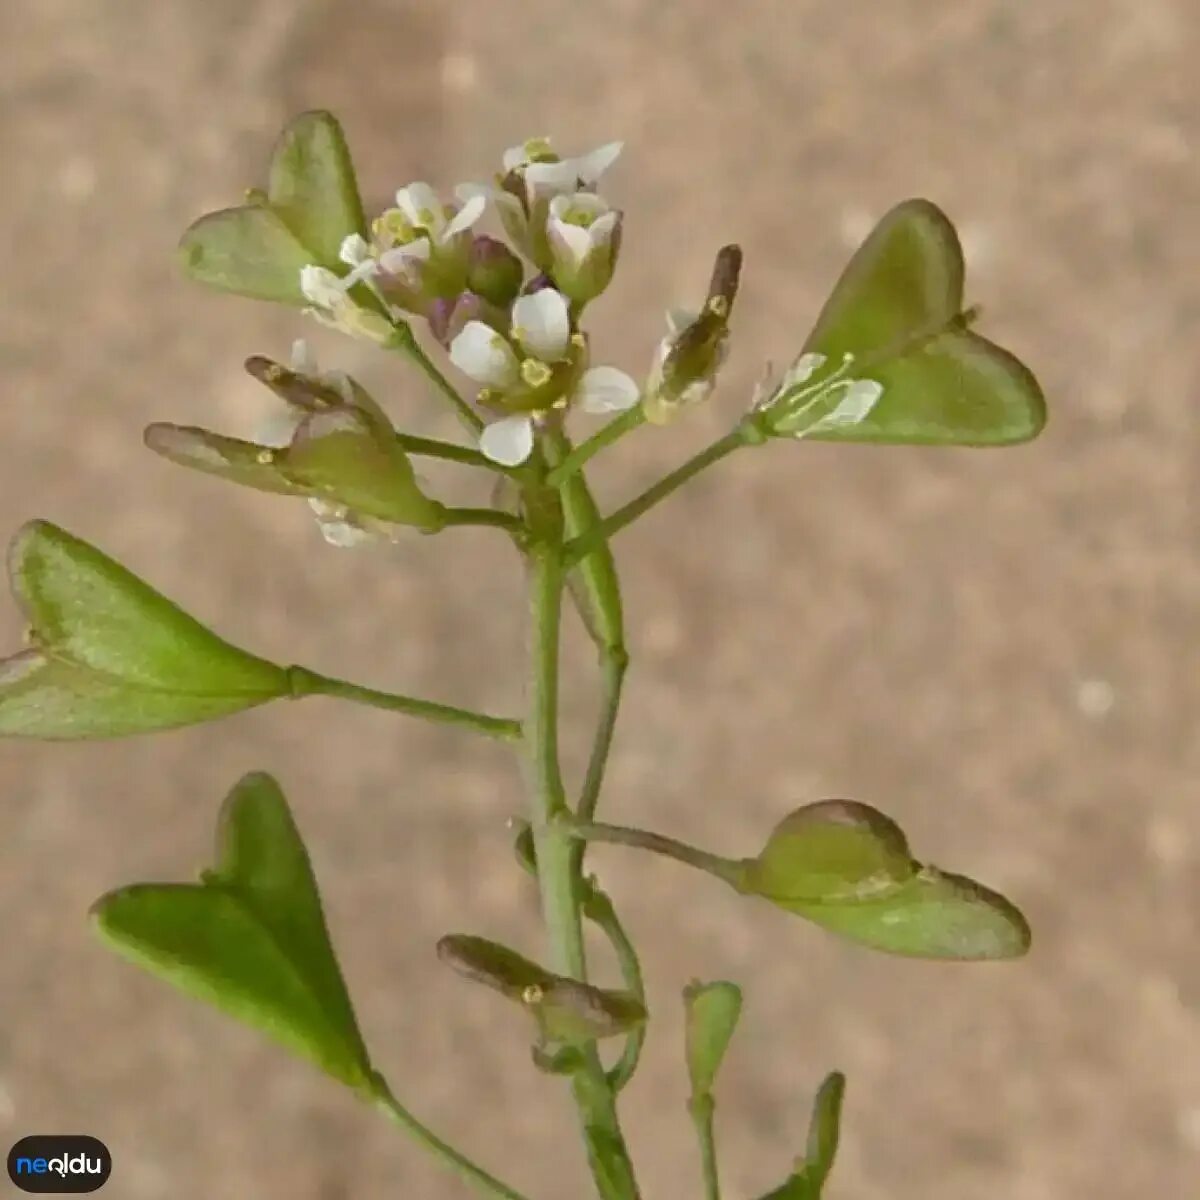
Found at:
[448, 318]
[494, 271]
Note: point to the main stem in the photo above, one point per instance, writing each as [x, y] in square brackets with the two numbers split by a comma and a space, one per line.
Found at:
[557, 865]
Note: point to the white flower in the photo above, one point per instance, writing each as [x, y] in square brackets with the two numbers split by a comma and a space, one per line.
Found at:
[541, 182]
[407, 237]
[332, 305]
[540, 350]
[579, 225]
[835, 400]
[546, 179]
[425, 212]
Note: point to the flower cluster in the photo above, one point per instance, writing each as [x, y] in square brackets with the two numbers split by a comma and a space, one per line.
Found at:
[518, 338]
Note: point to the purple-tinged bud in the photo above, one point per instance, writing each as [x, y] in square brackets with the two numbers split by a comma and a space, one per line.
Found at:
[448, 318]
[494, 271]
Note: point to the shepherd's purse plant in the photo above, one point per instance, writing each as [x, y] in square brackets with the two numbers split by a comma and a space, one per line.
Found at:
[893, 358]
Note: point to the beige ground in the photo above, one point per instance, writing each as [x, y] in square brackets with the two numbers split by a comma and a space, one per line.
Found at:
[998, 648]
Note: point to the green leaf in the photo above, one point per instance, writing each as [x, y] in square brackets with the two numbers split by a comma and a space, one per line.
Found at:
[824, 1130]
[712, 1010]
[832, 850]
[111, 656]
[251, 938]
[898, 309]
[249, 251]
[808, 1180]
[310, 206]
[934, 915]
[312, 185]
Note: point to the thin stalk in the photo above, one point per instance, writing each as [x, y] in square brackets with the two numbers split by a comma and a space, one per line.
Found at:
[614, 663]
[459, 1163]
[599, 908]
[728, 869]
[309, 683]
[434, 448]
[608, 528]
[558, 878]
[629, 420]
[406, 343]
[492, 517]
[702, 1109]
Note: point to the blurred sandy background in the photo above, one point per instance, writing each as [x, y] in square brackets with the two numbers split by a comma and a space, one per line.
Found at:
[998, 648]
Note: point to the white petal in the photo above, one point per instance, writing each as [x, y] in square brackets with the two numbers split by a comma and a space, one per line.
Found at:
[508, 441]
[399, 259]
[364, 270]
[513, 157]
[480, 352]
[603, 227]
[572, 242]
[354, 249]
[579, 202]
[321, 287]
[542, 324]
[466, 216]
[550, 179]
[855, 406]
[605, 390]
[303, 361]
[513, 218]
[591, 166]
[655, 377]
[803, 369]
[468, 191]
[678, 319]
[420, 204]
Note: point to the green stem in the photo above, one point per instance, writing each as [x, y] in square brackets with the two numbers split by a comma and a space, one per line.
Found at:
[309, 683]
[459, 1163]
[605, 436]
[614, 663]
[433, 448]
[558, 877]
[407, 344]
[730, 870]
[598, 907]
[492, 517]
[583, 545]
[702, 1108]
